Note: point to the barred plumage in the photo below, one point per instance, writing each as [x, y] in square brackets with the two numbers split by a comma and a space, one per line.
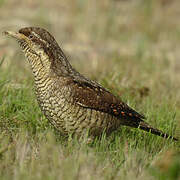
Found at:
[72, 103]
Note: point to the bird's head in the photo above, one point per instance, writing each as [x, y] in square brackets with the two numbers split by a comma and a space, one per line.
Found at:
[39, 47]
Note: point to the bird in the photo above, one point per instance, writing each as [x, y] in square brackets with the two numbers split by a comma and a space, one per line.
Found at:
[71, 102]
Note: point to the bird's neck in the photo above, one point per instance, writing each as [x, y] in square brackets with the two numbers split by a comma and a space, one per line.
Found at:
[60, 65]
[39, 65]
[46, 65]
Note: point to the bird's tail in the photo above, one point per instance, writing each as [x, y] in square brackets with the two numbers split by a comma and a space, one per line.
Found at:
[139, 123]
[146, 127]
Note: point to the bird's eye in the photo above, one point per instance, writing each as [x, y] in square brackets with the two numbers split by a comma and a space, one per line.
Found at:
[30, 36]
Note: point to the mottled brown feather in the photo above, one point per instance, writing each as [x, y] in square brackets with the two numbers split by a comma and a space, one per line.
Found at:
[98, 98]
[90, 102]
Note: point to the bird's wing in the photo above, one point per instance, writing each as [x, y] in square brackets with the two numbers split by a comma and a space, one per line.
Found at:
[94, 96]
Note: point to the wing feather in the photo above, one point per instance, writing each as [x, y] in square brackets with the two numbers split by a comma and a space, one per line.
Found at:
[96, 97]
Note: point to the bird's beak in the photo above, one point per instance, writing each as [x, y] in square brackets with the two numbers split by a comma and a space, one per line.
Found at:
[15, 35]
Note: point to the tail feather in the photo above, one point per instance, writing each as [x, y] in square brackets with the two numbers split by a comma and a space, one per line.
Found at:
[146, 127]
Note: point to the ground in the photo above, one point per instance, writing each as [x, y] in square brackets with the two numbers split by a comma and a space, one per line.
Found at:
[131, 48]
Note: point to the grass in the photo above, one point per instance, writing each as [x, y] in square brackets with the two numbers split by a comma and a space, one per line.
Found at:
[131, 48]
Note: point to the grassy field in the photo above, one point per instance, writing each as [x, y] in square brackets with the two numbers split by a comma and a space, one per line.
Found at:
[130, 47]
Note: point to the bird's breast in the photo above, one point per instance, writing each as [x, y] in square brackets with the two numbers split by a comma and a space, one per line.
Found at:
[60, 108]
